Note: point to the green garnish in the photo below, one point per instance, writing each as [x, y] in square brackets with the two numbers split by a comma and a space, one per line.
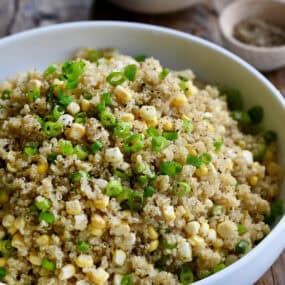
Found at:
[234, 99]
[50, 69]
[256, 114]
[184, 86]
[6, 94]
[241, 116]
[107, 119]
[64, 100]
[140, 58]
[159, 143]
[183, 78]
[186, 276]
[82, 246]
[130, 72]
[135, 201]
[52, 158]
[218, 144]
[49, 265]
[206, 158]
[93, 55]
[2, 272]
[219, 267]
[171, 136]
[152, 132]
[242, 246]
[71, 72]
[43, 204]
[134, 143]
[181, 189]
[66, 148]
[241, 229]
[6, 247]
[31, 148]
[77, 176]
[52, 129]
[187, 126]
[259, 152]
[57, 111]
[122, 129]
[116, 78]
[34, 94]
[80, 151]
[80, 118]
[48, 217]
[95, 147]
[163, 73]
[127, 280]
[148, 192]
[217, 210]
[276, 211]
[166, 245]
[194, 160]
[114, 188]
[170, 168]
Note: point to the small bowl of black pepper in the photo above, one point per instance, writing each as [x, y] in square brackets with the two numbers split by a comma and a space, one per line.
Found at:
[255, 30]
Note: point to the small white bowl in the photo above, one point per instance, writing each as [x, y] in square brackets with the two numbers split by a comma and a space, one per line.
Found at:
[155, 6]
[263, 58]
[41, 47]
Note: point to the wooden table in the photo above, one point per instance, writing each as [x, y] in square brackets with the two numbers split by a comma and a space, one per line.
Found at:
[201, 20]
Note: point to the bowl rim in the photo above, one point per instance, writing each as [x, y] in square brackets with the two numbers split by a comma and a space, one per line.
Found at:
[279, 228]
[236, 42]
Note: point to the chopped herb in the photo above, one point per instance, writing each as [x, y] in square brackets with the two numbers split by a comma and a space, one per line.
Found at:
[219, 267]
[148, 192]
[186, 276]
[241, 229]
[171, 136]
[66, 148]
[159, 143]
[183, 78]
[241, 116]
[166, 245]
[52, 129]
[256, 114]
[259, 152]
[181, 189]
[31, 148]
[71, 72]
[107, 119]
[187, 126]
[122, 129]
[83, 246]
[57, 111]
[2, 272]
[134, 143]
[116, 78]
[217, 210]
[242, 246]
[95, 147]
[6, 247]
[48, 217]
[80, 151]
[49, 265]
[130, 72]
[218, 144]
[140, 58]
[50, 69]
[184, 86]
[6, 94]
[234, 99]
[114, 188]
[276, 211]
[270, 136]
[170, 168]
[135, 201]
[206, 158]
[152, 132]
[127, 280]
[80, 118]
[52, 158]
[163, 73]
[194, 160]
[34, 94]
[43, 204]
[93, 55]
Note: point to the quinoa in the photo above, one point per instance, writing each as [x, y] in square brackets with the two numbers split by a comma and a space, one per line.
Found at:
[117, 171]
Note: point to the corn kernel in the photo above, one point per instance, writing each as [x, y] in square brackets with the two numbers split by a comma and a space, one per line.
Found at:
[152, 233]
[101, 203]
[4, 197]
[98, 222]
[42, 167]
[148, 114]
[202, 171]
[3, 261]
[10, 167]
[127, 117]
[12, 230]
[191, 149]
[192, 228]
[212, 235]
[119, 257]
[84, 261]
[168, 213]
[204, 229]
[197, 241]
[96, 232]
[168, 126]
[75, 132]
[153, 245]
[43, 240]
[211, 128]
[185, 117]
[19, 223]
[66, 272]
[35, 259]
[8, 221]
[179, 100]
[218, 243]
[242, 143]
[85, 105]
[253, 180]
[123, 95]
[73, 108]
[73, 207]
[98, 276]
[18, 241]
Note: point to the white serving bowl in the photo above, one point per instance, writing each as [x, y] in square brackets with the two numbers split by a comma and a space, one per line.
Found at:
[41, 47]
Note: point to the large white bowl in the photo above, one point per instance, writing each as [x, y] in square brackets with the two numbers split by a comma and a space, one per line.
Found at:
[39, 48]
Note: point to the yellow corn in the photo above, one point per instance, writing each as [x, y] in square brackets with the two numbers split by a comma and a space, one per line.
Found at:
[43, 240]
[168, 126]
[153, 246]
[98, 276]
[211, 128]
[242, 143]
[18, 241]
[101, 203]
[98, 222]
[127, 117]
[191, 149]
[84, 261]
[202, 171]
[3, 261]
[42, 167]
[152, 233]
[34, 259]
[85, 105]
[253, 180]
[179, 100]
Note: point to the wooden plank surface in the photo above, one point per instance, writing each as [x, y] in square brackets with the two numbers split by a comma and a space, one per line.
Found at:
[201, 20]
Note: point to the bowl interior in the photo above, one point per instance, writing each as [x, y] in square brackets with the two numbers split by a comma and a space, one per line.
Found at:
[40, 48]
[270, 11]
